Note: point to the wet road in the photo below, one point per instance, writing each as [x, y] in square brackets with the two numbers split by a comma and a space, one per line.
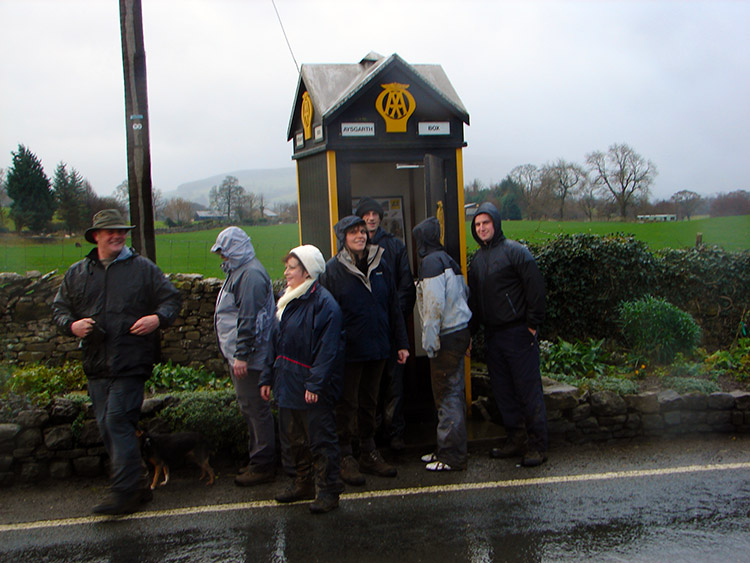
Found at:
[684, 500]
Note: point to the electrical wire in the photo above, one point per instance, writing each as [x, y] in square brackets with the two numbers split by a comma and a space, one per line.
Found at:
[285, 37]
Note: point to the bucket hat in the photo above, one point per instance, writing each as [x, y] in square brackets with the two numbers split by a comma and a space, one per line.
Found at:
[106, 219]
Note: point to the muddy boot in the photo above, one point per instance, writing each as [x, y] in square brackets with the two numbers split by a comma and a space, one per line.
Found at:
[350, 473]
[304, 490]
[324, 503]
[515, 446]
[533, 458]
[373, 463]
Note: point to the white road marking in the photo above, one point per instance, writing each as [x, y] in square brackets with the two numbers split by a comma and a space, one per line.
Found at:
[460, 487]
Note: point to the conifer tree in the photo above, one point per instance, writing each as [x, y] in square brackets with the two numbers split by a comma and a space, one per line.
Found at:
[28, 186]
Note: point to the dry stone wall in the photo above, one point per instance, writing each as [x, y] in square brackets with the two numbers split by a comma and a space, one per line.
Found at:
[29, 335]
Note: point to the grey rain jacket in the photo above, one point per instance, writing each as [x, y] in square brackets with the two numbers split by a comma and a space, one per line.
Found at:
[507, 288]
[442, 293]
[131, 287]
[245, 306]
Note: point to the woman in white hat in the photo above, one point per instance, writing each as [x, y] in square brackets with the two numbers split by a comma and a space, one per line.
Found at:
[307, 379]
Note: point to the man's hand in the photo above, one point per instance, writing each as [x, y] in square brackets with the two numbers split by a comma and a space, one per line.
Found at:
[310, 398]
[402, 356]
[82, 327]
[265, 392]
[532, 331]
[145, 325]
[239, 369]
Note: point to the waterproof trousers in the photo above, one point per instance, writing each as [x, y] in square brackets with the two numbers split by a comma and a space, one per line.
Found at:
[261, 440]
[356, 411]
[314, 447]
[513, 365]
[448, 390]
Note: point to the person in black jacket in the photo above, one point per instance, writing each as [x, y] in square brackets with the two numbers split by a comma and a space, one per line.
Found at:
[397, 259]
[359, 280]
[115, 301]
[507, 297]
[307, 373]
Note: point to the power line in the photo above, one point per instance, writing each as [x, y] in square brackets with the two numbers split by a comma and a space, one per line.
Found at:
[285, 37]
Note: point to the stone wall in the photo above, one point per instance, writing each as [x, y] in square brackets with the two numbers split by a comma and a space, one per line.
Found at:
[29, 335]
[63, 440]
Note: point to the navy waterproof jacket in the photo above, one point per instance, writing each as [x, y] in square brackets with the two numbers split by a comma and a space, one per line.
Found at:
[372, 318]
[308, 348]
[507, 288]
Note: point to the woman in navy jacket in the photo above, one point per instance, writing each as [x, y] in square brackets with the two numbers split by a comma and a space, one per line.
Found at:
[359, 280]
[306, 378]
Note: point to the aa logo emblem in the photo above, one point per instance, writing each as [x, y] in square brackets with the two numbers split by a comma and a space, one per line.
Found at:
[396, 104]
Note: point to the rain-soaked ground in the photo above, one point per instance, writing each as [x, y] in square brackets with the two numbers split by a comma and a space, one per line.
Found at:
[685, 499]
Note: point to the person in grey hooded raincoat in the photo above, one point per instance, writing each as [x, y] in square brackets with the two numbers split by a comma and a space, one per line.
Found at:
[244, 317]
[442, 299]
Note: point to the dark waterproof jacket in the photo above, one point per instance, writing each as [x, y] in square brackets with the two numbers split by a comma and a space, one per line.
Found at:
[130, 288]
[507, 288]
[308, 348]
[395, 255]
[372, 319]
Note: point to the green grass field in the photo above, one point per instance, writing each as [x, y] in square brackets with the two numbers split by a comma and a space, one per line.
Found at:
[190, 252]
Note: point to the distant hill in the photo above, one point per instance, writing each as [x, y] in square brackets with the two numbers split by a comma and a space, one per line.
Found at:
[276, 184]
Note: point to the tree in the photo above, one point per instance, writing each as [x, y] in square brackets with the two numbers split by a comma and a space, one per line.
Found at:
[179, 210]
[28, 186]
[563, 178]
[122, 195]
[227, 197]
[687, 202]
[70, 197]
[733, 203]
[622, 173]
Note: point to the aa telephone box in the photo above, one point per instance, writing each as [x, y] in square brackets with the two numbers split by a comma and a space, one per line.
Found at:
[385, 129]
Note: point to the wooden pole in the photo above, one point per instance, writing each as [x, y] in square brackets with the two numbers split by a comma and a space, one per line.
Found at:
[137, 126]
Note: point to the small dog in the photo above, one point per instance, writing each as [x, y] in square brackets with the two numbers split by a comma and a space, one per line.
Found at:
[163, 450]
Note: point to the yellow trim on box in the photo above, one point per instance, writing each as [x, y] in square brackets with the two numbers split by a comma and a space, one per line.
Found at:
[333, 197]
[462, 246]
[299, 212]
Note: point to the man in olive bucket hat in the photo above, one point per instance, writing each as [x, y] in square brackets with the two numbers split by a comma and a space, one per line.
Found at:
[115, 301]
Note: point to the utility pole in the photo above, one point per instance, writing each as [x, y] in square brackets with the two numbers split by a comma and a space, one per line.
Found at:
[137, 126]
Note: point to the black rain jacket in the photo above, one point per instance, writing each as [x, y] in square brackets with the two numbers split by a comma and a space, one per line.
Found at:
[507, 288]
[130, 288]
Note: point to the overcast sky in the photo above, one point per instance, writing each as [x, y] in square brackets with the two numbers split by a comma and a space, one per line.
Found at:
[540, 80]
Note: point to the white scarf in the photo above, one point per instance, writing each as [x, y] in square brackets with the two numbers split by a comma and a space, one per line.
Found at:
[285, 299]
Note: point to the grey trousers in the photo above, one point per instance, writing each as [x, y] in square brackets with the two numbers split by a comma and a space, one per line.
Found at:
[448, 391]
[261, 437]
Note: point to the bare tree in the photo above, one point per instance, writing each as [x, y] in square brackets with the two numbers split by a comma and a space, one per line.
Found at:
[563, 178]
[687, 202]
[529, 177]
[621, 173]
[227, 197]
[179, 210]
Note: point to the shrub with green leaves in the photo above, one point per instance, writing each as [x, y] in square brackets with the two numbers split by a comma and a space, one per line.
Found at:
[658, 330]
[175, 377]
[734, 362]
[583, 359]
[691, 385]
[214, 414]
[40, 382]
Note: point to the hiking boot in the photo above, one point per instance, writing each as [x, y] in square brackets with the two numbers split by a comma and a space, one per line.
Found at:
[514, 446]
[324, 503]
[350, 473]
[533, 458]
[297, 491]
[254, 476]
[122, 503]
[374, 464]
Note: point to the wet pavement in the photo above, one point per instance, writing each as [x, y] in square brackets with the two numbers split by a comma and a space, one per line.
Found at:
[685, 499]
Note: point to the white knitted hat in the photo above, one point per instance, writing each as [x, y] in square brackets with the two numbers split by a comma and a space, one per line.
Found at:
[311, 259]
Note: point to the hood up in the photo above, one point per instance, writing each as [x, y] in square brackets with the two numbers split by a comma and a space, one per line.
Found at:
[491, 210]
[234, 244]
[341, 227]
[427, 236]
